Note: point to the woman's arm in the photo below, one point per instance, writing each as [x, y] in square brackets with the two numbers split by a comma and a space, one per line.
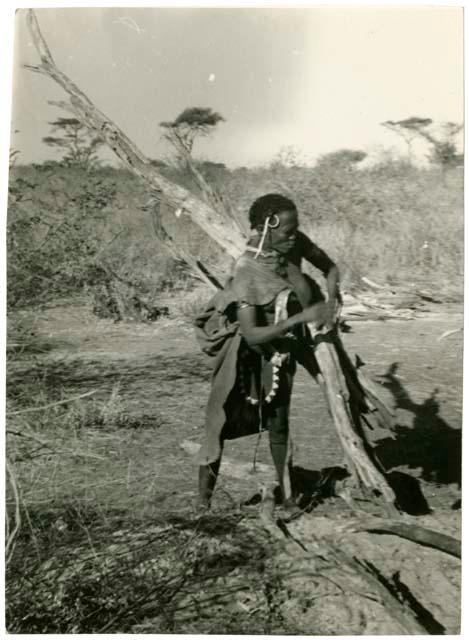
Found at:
[319, 259]
[333, 281]
[254, 334]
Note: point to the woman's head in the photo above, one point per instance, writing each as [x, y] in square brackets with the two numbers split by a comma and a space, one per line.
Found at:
[277, 215]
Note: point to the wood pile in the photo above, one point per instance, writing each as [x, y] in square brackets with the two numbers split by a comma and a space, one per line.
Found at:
[385, 302]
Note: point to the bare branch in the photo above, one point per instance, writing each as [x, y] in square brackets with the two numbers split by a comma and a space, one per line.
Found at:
[35, 68]
[53, 404]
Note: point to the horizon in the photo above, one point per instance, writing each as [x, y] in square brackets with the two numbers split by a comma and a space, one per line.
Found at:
[266, 89]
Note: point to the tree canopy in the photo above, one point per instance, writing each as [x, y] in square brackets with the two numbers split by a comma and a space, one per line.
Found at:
[78, 143]
[441, 138]
[190, 124]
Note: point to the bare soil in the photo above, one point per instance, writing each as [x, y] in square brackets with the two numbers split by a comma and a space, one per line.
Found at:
[161, 381]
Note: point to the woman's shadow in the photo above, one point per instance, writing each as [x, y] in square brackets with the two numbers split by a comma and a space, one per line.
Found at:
[430, 444]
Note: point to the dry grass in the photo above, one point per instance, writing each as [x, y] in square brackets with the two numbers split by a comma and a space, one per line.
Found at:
[88, 552]
[392, 222]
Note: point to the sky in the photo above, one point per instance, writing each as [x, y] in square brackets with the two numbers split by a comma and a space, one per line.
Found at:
[317, 79]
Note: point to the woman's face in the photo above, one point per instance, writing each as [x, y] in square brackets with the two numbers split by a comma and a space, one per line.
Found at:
[283, 237]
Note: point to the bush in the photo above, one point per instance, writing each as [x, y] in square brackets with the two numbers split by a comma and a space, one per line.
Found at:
[391, 222]
[56, 222]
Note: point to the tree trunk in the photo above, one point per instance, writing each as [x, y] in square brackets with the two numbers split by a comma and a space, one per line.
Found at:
[358, 459]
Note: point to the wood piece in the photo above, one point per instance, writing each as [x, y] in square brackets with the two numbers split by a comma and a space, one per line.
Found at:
[52, 404]
[325, 553]
[358, 460]
[223, 230]
[371, 390]
[399, 611]
[446, 334]
[415, 533]
[372, 284]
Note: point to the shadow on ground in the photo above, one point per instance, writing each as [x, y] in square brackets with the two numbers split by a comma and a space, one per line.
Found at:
[429, 444]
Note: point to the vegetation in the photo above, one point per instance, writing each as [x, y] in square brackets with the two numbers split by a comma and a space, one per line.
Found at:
[78, 146]
[392, 222]
[90, 548]
[192, 123]
[442, 141]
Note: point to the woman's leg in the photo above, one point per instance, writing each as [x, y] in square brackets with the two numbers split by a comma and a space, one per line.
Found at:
[208, 474]
[276, 419]
[277, 424]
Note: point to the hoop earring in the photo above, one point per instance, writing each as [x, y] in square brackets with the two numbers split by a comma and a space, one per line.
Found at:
[273, 225]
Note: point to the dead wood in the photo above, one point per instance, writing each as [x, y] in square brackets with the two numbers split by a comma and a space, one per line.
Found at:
[451, 332]
[415, 533]
[372, 284]
[12, 532]
[196, 268]
[398, 610]
[357, 453]
[53, 404]
[371, 391]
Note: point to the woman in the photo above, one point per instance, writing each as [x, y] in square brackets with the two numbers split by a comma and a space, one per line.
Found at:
[255, 332]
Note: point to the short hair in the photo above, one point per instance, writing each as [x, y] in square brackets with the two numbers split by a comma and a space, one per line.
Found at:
[268, 205]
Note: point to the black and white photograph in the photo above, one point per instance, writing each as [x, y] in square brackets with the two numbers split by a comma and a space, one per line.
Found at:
[234, 320]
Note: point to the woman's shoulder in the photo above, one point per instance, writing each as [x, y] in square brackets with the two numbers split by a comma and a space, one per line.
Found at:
[304, 242]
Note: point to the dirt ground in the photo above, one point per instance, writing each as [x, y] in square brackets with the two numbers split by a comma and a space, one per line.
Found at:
[160, 380]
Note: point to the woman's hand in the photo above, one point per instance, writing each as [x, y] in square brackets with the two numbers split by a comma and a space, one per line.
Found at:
[331, 313]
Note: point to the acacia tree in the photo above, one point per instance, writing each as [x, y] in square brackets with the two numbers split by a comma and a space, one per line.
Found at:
[345, 159]
[192, 123]
[443, 150]
[79, 144]
[181, 133]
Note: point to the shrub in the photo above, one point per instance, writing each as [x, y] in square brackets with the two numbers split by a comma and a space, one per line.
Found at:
[55, 230]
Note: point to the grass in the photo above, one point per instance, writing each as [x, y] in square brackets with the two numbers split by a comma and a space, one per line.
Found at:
[95, 573]
[82, 560]
[392, 222]
[90, 548]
